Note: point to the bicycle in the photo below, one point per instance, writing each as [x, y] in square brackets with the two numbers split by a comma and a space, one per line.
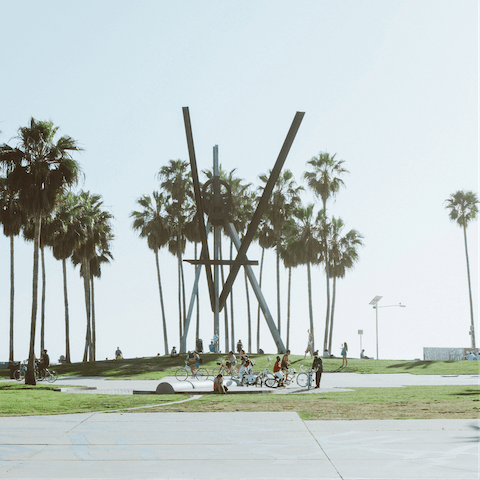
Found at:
[46, 374]
[225, 370]
[182, 373]
[305, 379]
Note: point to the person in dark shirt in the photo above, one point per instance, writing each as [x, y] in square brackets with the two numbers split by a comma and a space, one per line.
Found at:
[318, 365]
[44, 362]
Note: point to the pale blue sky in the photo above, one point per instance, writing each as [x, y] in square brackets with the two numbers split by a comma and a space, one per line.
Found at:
[390, 87]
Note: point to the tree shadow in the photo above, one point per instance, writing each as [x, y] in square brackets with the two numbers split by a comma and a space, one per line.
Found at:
[420, 363]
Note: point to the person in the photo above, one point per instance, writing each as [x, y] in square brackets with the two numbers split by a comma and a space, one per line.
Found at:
[309, 345]
[231, 362]
[44, 362]
[118, 354]
[362, 355]
[277, 371]
[193, 357]
[199, 345]
[239, 346]
[211, 347]
[216, 341]
[318, 365]
[218, 384]
[286, 364]
[344, 354]
[174, 352]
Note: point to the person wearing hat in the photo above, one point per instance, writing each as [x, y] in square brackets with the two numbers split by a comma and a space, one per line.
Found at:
[318, 365]
[44, 362]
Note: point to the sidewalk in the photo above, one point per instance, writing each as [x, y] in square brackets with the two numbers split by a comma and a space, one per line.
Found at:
[331, 382]
[235, 446]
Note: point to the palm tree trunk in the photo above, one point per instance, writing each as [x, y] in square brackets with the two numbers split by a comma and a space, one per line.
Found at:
[93, 346]
[180, 320]
[470, 293]
[258, 312]
[334, 292]
[288, 305]
[310, 307]
[165, 337]
[278, 290]
[232, 328]
[12, 294]
[67, 319]
[30, 374]
[86, 287]
[44, 286]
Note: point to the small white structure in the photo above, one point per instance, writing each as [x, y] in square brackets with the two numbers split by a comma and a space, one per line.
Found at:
[446, 354]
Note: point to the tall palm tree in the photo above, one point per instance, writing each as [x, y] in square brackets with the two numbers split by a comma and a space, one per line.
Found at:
[12, 219]
[176, 182]
[463, 209]
[95, 239]
[285, 198]
[308, 251]
[65, 238]
[152, 224]
[343, 254]
[325, 182]
[39, 169]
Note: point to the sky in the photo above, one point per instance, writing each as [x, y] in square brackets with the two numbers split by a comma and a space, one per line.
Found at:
[391, 88]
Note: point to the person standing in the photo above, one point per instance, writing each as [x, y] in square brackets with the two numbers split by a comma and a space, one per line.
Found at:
[318, 366]
[344, 354]
[309, 345]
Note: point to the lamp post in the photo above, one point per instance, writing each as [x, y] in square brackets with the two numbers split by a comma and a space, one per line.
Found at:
[374, 302]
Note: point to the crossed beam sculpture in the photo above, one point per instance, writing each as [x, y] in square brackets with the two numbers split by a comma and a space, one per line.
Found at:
[217, 213]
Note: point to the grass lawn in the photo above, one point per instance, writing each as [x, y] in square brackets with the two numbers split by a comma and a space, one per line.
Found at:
[19, 399]
[360, 404]
[155, 368]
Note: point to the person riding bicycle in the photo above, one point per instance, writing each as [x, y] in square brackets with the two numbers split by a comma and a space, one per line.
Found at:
[285, 364]
[231, 362]
[193, 357]
[277, 371]
[43, 363]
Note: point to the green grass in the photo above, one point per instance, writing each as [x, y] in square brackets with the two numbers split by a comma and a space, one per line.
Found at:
[18, 399]
[359, 404]
[155, 368]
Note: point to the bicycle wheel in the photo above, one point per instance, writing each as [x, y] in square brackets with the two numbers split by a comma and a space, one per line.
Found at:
[181, 374]
[51, 376]
[302, 379]
[17, 375]
[201, 374]
[270, 382]
[40, 376]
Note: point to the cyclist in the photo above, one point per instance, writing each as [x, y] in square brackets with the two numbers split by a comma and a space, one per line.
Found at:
[277, 371]
[285, 364]
[193, 357]
[231, 362]
[43, 363]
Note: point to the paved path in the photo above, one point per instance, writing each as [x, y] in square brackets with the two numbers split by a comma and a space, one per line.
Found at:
[331, 382]
[235, 446]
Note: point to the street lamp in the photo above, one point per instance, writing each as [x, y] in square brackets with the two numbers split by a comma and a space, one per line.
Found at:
[374, 302]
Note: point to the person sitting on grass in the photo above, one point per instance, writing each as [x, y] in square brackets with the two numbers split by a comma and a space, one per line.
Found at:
[118, 354]
[277, 371]
[362, 355]
[218, 384]
[174, 352]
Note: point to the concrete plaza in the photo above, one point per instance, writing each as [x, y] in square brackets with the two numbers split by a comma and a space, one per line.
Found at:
[239, 445]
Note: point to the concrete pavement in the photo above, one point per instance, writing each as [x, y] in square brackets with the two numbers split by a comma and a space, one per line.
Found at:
[239, 445]
[235, 446]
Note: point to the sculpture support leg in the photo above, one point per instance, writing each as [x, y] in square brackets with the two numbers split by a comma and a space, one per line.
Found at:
[258, 292]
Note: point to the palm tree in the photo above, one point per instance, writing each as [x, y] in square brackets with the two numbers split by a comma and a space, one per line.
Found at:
[343, 254]
[177, 183]
[39, 170]
[308, 251]
[96, 236]
[325, 183]
[65, 238]
[12, 218]
[285, 198]
[463, 209]
[152, 224]
[289, 254]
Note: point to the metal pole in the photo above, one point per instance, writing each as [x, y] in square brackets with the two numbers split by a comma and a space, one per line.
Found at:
[376, 315]
[216, 255]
